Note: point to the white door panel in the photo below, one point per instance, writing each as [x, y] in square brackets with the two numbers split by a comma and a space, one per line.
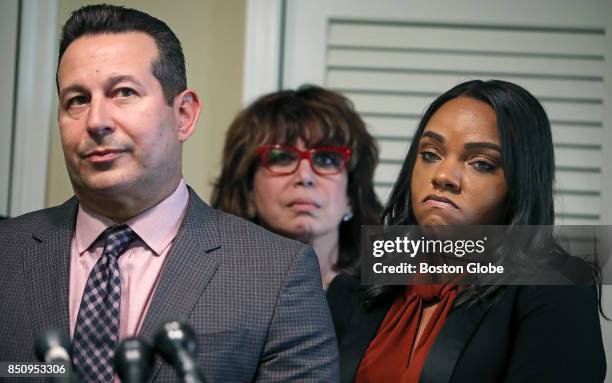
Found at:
[392, 58]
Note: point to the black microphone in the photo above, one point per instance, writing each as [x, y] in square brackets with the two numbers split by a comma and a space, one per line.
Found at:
[134, 360]
[52, 346]
[176, 343]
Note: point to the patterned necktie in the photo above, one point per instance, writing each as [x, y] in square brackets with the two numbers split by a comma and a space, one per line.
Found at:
[96, 333]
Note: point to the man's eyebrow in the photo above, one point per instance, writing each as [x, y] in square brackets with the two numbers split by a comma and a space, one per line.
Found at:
[478, 145]
[434, 136]
[76, 88]
[114, 80]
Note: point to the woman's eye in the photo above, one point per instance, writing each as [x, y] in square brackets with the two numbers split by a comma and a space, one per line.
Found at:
[429, 156]
[327, 160]
[483, 166]
[280, 158]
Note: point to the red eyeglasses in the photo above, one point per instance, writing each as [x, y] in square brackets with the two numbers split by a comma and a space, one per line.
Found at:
[282, 160]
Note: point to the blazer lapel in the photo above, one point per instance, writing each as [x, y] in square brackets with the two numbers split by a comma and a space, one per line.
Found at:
[362, 329]
[190, 266]
[47, 268]
[461, 323]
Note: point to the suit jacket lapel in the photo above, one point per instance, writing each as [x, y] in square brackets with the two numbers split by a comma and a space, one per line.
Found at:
[362, 329]
[47, 268]
[190, 266]
[460, 324]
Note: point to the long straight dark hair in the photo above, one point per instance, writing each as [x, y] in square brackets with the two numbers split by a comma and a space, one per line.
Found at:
[527, 158]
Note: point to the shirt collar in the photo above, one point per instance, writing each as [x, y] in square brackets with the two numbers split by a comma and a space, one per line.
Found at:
[156, 226]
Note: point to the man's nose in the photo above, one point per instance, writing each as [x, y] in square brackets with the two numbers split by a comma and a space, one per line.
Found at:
[99, 118]
[447, 176]
[304, 175]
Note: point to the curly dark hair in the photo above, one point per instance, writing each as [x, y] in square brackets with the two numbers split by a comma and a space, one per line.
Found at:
[320, 117]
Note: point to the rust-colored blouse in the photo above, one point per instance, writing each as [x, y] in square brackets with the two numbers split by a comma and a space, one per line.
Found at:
[392, 356]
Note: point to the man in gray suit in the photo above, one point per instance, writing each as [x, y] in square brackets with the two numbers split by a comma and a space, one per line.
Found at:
[136, 246]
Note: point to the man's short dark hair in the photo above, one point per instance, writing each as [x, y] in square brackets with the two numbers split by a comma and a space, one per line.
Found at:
[169, 68]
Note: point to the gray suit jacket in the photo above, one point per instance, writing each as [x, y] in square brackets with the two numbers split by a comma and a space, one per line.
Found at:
[253, 298]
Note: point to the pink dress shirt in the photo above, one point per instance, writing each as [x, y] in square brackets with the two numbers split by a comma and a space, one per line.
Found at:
[140, 265]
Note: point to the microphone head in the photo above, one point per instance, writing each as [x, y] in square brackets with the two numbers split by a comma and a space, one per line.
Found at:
[134, 360]
[173, 339]
[53, 345]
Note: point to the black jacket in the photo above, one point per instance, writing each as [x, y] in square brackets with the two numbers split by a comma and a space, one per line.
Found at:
[527, 334]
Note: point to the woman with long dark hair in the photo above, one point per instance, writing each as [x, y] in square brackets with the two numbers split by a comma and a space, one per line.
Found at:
[482, 155]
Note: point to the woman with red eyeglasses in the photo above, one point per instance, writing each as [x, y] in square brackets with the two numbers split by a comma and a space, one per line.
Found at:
[301, 163]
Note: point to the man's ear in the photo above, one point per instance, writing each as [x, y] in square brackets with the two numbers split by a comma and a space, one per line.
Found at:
[187, 106]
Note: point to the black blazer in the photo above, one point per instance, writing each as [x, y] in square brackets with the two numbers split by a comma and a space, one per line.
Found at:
[527, 334]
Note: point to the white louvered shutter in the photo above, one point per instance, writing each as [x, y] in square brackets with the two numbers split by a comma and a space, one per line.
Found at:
[392, 59]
